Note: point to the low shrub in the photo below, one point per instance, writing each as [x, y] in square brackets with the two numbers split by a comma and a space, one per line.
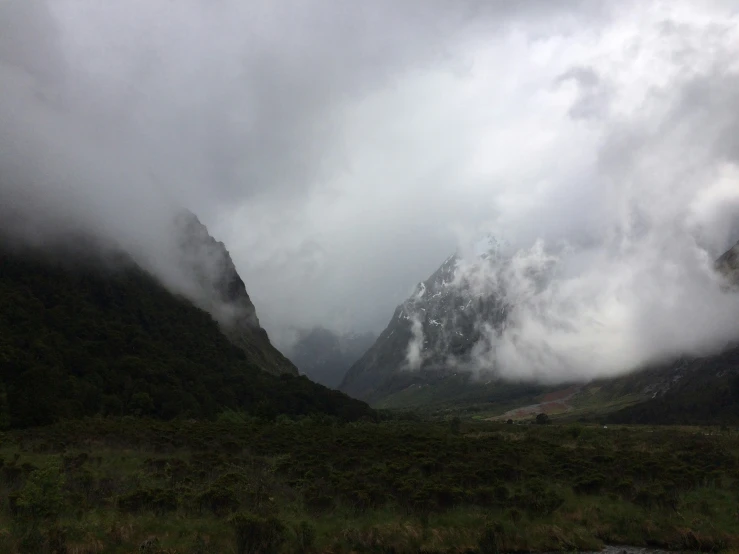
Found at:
[256, 534]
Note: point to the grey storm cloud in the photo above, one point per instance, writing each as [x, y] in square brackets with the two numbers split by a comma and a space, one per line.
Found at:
[116, 114]
[343, 150]
[228, 100]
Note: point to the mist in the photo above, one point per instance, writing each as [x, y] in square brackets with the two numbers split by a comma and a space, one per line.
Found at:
[343, 152]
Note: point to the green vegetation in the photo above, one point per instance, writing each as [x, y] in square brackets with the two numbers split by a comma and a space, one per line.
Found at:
[436, 393]
[299, 485]
[83, 341]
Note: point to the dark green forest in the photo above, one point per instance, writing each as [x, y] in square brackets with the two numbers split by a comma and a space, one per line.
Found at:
[84, 338]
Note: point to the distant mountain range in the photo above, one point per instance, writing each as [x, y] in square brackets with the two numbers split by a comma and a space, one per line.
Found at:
[416, 360]
[325, 356]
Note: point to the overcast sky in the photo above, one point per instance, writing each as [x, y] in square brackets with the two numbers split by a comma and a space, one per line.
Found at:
[342, 150]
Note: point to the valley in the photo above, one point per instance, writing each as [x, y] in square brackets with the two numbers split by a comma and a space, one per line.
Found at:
[553, 404]
[384, 277]
[134, 420]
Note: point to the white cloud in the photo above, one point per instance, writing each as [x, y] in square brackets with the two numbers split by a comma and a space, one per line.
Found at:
[343, 152]
[414, 352]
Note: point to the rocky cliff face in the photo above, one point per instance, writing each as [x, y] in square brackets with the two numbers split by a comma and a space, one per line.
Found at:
[222, 293]
[728, 265]
[436, 328]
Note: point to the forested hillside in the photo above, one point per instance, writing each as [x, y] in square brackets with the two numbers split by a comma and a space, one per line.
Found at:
[80, 339]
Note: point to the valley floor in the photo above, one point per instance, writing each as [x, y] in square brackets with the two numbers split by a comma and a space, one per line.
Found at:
[243, 485]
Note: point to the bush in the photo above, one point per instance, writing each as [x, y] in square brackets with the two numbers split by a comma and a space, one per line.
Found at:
[42, 497]
[537, 499]
[317, 499]
[256, 534]
[32, 542]
[514, 514]
[56, 541]
[160, 501]
[306, 535]
[590, 484]
[219, 500]
[488, 543]
[455, 425]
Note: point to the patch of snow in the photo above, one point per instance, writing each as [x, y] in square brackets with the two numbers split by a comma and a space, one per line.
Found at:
[421, 291]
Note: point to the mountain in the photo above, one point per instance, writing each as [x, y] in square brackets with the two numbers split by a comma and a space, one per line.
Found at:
[86, 332]
[691, 391]
[325, 356]
[225, 294]
[728, 265]
[442, 319]
[412, 364]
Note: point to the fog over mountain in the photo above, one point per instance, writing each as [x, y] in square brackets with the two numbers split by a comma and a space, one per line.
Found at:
[550, 324]
[325, 356]
[342, 152]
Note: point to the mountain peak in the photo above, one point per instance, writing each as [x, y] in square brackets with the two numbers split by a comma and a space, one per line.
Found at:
[210, 263]
[223, 294]
[442, 318]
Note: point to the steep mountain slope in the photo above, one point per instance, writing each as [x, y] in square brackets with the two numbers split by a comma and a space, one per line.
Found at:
[728, 265]
[692, 391]
[98, 335]
[225, 295]
[325, 356]
[438, 326]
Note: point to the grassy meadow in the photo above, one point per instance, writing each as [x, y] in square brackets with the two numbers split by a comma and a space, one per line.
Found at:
[241, 485]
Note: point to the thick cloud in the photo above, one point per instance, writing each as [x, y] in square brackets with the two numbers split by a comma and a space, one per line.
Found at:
[343, 151]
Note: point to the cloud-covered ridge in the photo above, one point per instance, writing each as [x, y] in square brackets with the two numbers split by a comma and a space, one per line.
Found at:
[536, 314]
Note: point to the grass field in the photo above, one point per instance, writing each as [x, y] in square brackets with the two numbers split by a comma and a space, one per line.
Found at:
[241, 485]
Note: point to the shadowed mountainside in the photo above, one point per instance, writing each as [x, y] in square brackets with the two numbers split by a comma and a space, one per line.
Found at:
[225, 294]
[83, 333]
